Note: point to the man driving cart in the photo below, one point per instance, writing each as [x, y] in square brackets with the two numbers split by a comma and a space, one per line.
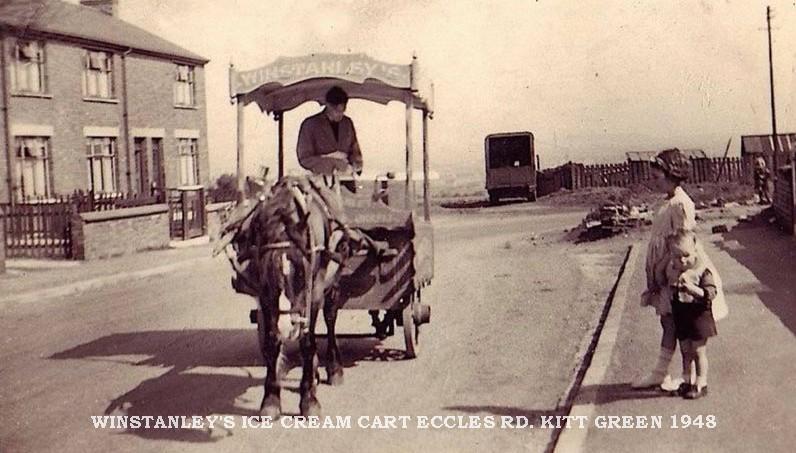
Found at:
[327, 141]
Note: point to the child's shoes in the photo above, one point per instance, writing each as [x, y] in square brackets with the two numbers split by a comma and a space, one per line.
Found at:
[670, 384]
[695, 393]
[683, 389]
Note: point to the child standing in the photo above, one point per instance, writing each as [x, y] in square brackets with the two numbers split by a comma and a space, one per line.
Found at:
[693, 288]
[761, 176]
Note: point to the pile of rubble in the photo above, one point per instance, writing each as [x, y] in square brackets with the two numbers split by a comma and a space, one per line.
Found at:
[611, 219]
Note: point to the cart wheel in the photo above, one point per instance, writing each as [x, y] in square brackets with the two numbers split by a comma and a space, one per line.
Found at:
[410, 330]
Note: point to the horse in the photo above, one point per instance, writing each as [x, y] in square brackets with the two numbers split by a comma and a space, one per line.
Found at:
[295, 243]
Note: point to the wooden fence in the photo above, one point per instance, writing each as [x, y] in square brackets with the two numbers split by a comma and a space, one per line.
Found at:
[38, 230]
[603, 175]
[573, 176]
[785, 198]
[89, 202]
[41, 227]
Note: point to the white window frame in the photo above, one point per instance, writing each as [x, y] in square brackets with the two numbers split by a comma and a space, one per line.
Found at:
[101, 164]
[28, 68]
[185, 85]
[98, 75]
[33, 176]
[188, 150]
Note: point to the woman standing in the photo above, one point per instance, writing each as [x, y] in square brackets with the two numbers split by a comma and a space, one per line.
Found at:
[670, 169]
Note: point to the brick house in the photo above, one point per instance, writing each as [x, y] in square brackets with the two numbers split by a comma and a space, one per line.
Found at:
[91, 102]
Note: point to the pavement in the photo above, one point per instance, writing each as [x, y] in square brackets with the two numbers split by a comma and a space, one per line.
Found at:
[752, 393]
[28, 280]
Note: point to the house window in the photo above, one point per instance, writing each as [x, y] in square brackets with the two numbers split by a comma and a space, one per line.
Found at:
[189, 168]
[98, 74]
[184, 86]
[101, 159]
[32, 166]
[27, 67]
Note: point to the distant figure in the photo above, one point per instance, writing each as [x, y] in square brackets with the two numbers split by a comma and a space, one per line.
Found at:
[762, 175]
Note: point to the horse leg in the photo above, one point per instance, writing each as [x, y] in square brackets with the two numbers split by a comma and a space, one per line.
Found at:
[309, 404]
[334, 369]
[378, 324]
[389, 322]
[271, 405]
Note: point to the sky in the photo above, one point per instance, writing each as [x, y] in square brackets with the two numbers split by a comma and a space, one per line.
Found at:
[591, 79]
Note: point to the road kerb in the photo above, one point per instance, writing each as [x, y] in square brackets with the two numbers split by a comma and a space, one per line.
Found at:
[96, 283]
[596, 355]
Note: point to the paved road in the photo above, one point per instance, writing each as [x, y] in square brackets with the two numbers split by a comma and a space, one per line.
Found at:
[511, 309]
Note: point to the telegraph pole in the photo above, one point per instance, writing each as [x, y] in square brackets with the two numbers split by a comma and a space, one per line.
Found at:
[771, 83]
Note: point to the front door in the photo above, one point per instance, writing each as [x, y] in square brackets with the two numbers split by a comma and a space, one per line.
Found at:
[158, 172]
[140, 179]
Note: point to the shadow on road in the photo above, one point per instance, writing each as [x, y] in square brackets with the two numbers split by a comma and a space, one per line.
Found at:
[609, 393]
[771, 256]
[189, 388]
[474, 204]
[465, 204]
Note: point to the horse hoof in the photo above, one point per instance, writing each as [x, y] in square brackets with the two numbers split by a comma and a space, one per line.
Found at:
[335, 377]
[271, 409]
[310, 408]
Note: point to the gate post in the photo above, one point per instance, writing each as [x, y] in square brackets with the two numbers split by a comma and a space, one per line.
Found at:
[185, 208]
[793, 198]
[203, 210]
[2, 245]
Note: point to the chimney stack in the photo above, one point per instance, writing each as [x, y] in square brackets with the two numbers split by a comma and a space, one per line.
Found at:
[109, 7]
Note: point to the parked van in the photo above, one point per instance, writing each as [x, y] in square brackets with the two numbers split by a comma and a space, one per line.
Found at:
[510, 166]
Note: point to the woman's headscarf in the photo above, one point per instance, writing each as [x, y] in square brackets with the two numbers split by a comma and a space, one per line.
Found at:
[673, 163]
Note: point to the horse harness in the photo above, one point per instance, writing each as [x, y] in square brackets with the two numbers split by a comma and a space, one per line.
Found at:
[303, 193]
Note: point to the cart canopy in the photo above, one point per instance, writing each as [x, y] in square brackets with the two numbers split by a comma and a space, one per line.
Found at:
[291, 81]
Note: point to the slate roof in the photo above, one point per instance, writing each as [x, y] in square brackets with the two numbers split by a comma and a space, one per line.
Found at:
[763, 144]
[65, 20]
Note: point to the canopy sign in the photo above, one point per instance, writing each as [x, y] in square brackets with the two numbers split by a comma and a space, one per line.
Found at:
[288, 70]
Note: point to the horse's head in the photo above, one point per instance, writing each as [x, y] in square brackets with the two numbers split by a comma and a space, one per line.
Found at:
[293, 316]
